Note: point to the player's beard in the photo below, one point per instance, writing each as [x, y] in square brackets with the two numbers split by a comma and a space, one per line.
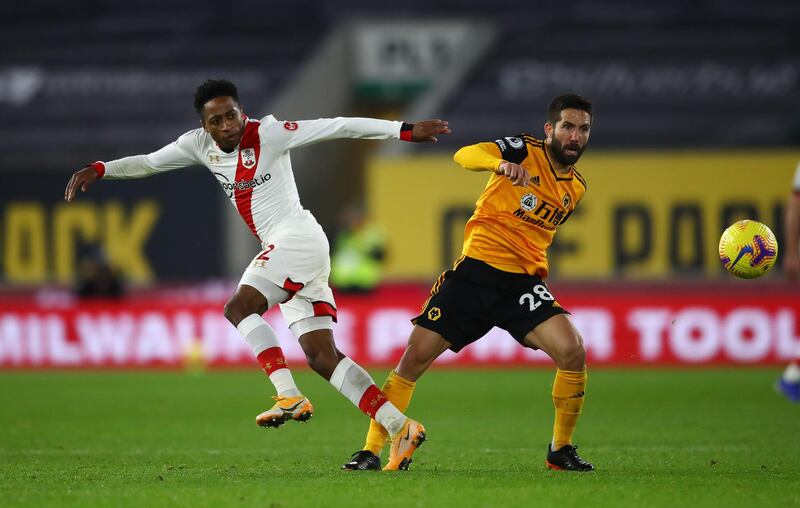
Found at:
[558, 152]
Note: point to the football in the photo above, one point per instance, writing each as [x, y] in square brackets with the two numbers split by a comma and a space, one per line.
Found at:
[748, 249]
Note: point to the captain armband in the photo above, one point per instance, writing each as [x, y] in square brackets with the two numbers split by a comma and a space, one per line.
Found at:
[512, 148]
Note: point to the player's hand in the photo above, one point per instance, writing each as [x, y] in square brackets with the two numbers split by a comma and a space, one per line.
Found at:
[791, 265]
[427, 130]
[517, 174]
[81, 179]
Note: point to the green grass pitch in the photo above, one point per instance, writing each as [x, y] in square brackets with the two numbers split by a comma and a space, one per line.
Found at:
[656, 437]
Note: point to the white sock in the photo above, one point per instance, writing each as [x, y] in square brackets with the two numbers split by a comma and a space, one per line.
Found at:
[284, 384]
[792, 373]
[260, 336]
[390, 418]
[353, 382]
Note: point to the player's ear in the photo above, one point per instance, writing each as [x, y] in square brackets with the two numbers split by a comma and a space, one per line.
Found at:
[203, 123]
[548, 130]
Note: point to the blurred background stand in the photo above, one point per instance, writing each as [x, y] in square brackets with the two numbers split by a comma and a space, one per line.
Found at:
[98, 279]
[358, 252]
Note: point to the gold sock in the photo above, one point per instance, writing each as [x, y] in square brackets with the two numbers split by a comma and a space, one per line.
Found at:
[399, 391]
[568, 394]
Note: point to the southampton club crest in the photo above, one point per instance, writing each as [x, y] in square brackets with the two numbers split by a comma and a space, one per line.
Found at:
[249, 158]
[528, 202]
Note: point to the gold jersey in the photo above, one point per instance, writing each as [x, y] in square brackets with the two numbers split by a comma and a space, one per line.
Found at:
[512, 227]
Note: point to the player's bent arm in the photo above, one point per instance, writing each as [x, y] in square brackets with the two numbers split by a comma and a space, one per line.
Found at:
[479, 157]
[487, 157]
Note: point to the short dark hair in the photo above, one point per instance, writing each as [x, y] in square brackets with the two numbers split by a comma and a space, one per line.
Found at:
[211, 89]
[567, 101]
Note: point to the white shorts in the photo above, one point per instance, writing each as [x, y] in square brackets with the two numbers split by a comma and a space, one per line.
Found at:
[295, 258]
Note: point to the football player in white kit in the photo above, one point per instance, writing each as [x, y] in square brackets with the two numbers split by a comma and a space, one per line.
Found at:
[250, 159]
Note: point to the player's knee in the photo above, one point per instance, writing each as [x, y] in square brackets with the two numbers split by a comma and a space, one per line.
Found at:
[572, 356]
[234, 311]
[247, 300]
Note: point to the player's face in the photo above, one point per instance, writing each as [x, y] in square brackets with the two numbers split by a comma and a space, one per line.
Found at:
[223, 119]
[568, 138]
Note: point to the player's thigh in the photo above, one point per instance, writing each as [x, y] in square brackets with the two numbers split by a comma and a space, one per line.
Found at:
[424, 346]
[559, 338]
[292, 262]
[457, 310]
[526, 304]
[312, 300]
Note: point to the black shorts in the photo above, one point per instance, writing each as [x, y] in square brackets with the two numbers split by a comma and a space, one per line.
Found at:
[467, 301]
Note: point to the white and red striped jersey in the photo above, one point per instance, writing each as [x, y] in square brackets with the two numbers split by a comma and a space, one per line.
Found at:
[257, 176]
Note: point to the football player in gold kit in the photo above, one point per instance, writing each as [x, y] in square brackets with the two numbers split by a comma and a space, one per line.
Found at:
[498, 280]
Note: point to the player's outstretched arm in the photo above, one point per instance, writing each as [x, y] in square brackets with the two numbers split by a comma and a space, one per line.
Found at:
[284, 136]
[179, 154]
[427, 130]
[81, 179]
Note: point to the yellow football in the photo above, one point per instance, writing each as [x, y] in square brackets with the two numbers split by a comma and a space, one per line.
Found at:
[748, 249]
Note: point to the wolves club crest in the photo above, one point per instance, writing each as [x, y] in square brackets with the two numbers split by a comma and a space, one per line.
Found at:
[248, 158]
[528, 202]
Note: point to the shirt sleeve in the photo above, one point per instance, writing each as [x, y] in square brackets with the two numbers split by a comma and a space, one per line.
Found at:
[176, 155]
[283, 136]
[479, 157]
[512, 148]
